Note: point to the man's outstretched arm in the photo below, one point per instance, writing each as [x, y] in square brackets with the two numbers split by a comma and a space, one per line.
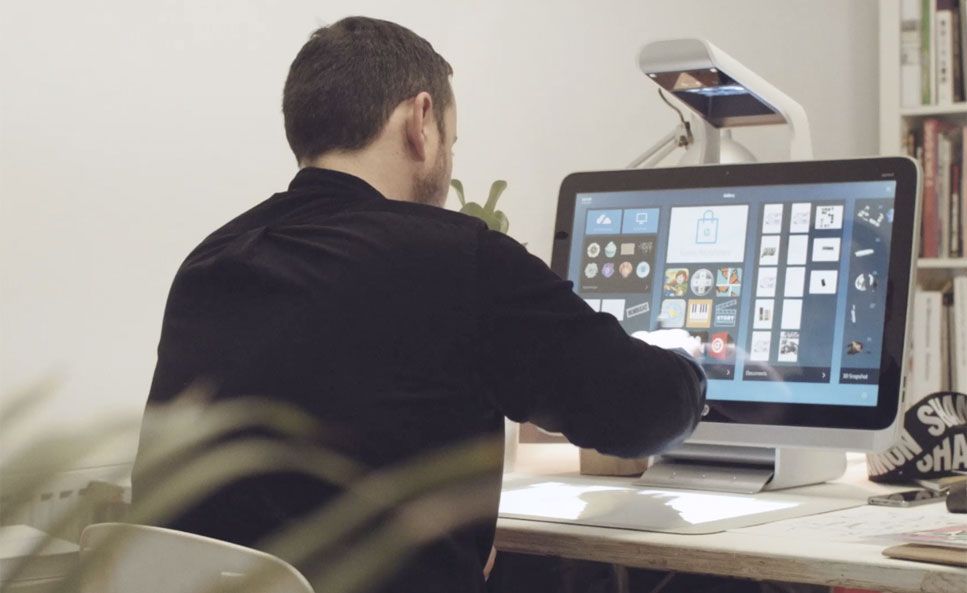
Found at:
[548, 358]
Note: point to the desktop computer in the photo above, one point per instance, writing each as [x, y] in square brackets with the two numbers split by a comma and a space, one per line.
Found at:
[795, 276]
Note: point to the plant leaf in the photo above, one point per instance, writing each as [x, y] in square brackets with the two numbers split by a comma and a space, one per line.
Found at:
[496, 189]
[474, 209]
[502, 223]
[457, 185]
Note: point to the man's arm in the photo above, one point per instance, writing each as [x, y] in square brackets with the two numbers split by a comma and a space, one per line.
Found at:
[551, 360]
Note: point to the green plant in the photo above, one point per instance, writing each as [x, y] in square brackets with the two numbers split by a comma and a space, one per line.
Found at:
[496, 220]
[363, 535]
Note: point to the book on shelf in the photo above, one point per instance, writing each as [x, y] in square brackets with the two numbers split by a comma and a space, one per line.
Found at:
[958, 335]
[910, 58]
[938, 353]
[926, 371]
[933, 57]
[939, 146]
[943, 42]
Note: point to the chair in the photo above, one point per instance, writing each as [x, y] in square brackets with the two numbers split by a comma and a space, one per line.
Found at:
[156, 560]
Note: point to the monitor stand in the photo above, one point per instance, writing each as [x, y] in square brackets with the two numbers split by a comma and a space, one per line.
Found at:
[729, 468]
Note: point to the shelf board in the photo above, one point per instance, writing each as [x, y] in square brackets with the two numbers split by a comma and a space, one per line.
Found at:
[942, 263]
[926, 110]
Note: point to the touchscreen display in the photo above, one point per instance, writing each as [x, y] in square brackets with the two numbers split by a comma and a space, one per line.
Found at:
[785, 285]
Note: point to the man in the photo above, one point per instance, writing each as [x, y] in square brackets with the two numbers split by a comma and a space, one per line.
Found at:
[405, 327]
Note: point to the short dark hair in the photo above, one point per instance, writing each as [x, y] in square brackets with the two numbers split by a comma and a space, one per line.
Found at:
[349, 77]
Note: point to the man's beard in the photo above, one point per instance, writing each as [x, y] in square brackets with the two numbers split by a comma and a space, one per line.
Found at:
[434, 187]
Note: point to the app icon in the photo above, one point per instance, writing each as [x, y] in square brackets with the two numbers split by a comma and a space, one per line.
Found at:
[610, 249]
[591, 270]
[707, 228]
[643, 269]
[702, 282]
[676, 282]
[728, 282]
[866, 282]
[726, 313]
[607, 270]
[625, 269]
[594, 250]
[637, 310]
[719, 346]
[672, 313]
[699, 313]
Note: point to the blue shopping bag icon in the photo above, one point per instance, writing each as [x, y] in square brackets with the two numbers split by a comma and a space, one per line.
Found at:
[707, 229]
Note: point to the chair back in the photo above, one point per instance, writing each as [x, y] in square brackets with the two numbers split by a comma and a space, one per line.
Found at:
[143, 559]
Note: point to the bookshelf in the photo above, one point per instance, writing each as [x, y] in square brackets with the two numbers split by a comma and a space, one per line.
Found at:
[934, 110]
[938, 133]
[942, 263]
[896, 121]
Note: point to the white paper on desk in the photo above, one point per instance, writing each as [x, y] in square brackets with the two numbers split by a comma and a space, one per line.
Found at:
[618, 503]
[864, 523]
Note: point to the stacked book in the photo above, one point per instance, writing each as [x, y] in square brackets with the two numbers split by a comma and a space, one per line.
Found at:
[946, 545]
[932, 52]
[939, 339]
[939, 146]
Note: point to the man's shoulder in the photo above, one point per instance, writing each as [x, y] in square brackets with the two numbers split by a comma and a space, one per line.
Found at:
[377, 218]
[431, 214]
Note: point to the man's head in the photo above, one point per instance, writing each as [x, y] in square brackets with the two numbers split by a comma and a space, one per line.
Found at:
[374, 97]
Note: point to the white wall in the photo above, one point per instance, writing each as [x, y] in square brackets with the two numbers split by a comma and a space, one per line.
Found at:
[129, 130]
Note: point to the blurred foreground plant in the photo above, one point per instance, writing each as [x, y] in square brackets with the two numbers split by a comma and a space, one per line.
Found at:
[416, 502]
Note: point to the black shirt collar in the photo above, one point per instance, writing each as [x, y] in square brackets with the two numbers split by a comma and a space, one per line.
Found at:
[333, 182]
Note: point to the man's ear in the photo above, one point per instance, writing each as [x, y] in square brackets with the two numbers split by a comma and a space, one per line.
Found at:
[417, 124]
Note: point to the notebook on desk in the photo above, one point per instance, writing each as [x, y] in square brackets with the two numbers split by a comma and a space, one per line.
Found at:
[943, 545]
[932, 554]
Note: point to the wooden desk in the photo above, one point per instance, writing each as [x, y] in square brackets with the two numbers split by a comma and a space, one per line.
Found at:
[730, 553]
[46, 568]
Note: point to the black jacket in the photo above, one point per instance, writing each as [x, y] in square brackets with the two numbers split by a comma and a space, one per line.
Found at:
[405, 328]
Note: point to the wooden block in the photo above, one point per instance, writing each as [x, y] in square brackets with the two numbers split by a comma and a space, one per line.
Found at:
[596, 464]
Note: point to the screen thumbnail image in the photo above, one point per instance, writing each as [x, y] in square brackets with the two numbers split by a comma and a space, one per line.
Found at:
[764, 313]
[772, 219]
[788, 346]
[829, 217]
[707, 234]
[761, 345]
[769, 250]
[633, 313]
[619, 264]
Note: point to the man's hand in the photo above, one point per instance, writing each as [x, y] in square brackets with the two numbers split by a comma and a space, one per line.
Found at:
[670, 339]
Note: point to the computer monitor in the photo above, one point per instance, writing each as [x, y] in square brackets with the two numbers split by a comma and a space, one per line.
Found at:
[796, 276]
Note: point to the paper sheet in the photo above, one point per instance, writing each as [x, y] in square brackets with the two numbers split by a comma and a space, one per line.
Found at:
[620, 504]
[864, 523]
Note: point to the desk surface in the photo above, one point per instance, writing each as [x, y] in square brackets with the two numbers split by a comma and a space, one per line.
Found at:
[761, 554]
[18, 541]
